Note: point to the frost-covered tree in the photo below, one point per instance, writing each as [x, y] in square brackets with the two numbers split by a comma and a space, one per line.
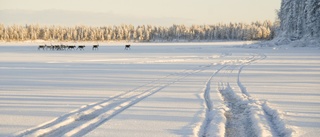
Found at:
[300, 19]
[143, 33]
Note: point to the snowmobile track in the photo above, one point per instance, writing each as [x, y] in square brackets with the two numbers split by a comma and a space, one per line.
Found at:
[238, 118]
[85, 119]
[245, 116]
[208, 103]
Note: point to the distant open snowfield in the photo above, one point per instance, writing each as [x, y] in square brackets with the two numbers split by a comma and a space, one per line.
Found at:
[171, 89]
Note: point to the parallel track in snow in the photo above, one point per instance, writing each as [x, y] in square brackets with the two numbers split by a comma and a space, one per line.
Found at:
[209, 104]
[88, 117]
[275, 125]
[239, 122]
[245, 116]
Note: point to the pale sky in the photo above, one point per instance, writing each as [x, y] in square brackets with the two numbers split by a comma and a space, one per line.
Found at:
[154, 12]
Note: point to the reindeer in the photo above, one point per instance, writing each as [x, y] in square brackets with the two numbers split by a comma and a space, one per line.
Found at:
[51, 47]
[57, 47]
[63, 47]
[71, 47]
[127, 47]
[42, 47]
[81, 47]
[95, 47]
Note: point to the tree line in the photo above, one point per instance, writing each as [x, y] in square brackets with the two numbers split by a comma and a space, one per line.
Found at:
[143, 33]
[300, 19]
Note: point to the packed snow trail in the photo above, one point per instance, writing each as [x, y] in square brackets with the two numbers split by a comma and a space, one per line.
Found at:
[206, 128]
[244, 115]
[272, 118]
[216, 118]
[238, 117]
[88, 117]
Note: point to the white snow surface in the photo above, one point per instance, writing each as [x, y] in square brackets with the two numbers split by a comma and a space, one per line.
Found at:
[153, 89]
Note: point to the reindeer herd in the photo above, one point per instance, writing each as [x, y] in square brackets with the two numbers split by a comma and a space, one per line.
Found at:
[65, 47]
[72, 47]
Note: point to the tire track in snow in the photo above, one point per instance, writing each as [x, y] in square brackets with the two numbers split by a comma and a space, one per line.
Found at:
[238, 118]
[211, 113]
[240, 121]
[215, 121]
[87, 118]
[271, 117]
[245, 116]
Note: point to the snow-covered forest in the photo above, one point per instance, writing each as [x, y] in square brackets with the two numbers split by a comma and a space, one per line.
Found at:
[144, 33]
[300, 19]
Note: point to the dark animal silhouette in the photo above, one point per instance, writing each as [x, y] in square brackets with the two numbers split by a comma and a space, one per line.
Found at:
[41, 47]
[57, 47]
[63, 47]
[81, 47]
[95, 47]
[51, 47]
[127, 47]
[71, 47]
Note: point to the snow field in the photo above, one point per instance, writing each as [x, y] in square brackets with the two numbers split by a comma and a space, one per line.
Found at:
[177, 90]
[290, 88]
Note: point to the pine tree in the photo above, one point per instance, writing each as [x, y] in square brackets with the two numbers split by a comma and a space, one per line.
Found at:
[300, 18]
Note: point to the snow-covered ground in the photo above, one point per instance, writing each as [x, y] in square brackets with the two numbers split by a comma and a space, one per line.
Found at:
[171, 89]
